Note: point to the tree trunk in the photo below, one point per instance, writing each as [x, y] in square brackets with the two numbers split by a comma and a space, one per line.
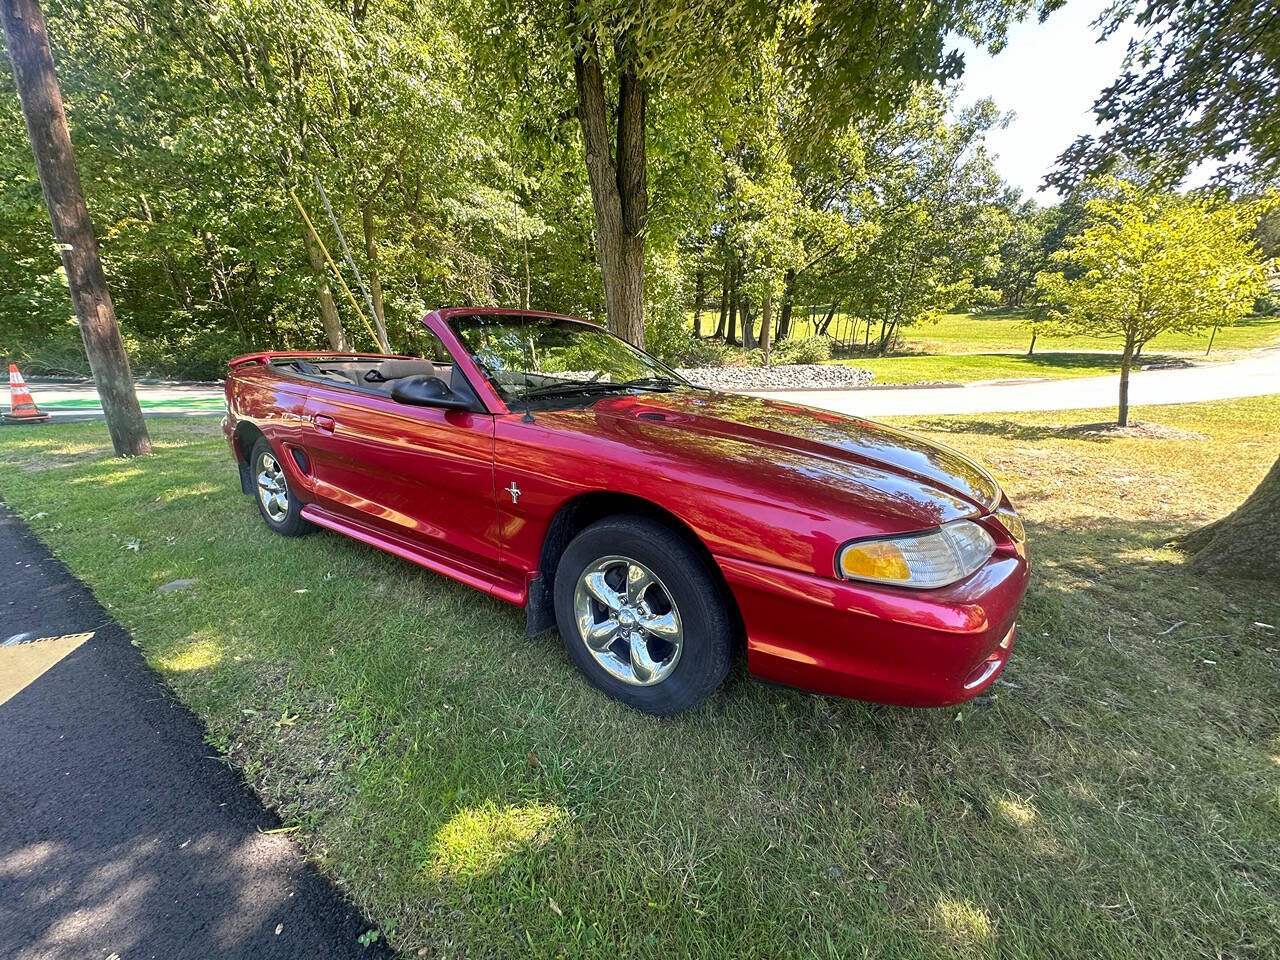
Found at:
[766, 321]
[1032, 349]
[619, 190]
[328, 306]
[747, 324]
[46, 119]
[1211, 336]
[788, 298]
[699, 291]
[1126, 361]
[1245, 543]
[731, 335]
[724, 301]
[375, 278]
[821, 328]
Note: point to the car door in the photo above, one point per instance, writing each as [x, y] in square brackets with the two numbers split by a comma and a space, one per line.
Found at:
[424, 474]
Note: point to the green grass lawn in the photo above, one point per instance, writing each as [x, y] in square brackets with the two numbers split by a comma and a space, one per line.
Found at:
[968, 367]
[1007, 331]
[1117, 796]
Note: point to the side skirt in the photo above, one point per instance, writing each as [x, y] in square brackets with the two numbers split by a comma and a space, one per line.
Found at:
[415, 553]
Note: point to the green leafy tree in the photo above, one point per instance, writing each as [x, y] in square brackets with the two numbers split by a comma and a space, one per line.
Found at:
[932, 197]
[844, 59]
[1199, 83]
[1149, 263]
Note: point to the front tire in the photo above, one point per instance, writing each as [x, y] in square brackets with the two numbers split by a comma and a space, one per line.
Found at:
[642, 616]
[280, 509]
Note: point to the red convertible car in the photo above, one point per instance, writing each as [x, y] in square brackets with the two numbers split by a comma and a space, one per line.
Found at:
[657, 524]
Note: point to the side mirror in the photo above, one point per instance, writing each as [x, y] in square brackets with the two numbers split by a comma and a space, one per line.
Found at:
[426, 391]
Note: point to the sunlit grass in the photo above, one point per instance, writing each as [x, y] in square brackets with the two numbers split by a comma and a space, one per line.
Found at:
[1117, 795]
[968, 347]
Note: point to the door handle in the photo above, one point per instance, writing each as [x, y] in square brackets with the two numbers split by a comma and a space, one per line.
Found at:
[324, 424]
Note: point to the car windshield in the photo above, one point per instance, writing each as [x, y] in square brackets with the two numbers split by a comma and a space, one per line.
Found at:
[528, 358]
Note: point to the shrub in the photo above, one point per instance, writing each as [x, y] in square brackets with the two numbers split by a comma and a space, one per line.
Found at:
[702, 353]
[808, 350]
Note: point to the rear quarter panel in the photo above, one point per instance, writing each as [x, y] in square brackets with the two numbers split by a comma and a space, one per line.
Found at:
[271, 402]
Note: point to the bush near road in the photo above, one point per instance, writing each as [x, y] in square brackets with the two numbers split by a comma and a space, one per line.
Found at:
[1117, 797]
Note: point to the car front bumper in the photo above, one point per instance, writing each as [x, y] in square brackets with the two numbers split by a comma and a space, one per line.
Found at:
[917, 648]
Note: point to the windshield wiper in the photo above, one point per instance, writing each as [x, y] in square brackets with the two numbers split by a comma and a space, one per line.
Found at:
[600, 386]
[568, 386]
[653, 383]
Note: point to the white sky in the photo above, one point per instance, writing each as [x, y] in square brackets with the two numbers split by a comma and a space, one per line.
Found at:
[1048, 75]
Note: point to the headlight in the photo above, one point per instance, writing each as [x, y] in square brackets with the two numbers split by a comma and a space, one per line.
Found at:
[1012, 522]
[932, 559]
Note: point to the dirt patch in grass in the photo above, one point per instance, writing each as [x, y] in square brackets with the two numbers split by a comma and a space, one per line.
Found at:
[1116, 795]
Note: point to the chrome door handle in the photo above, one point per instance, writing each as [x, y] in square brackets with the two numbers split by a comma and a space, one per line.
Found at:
[324, 424]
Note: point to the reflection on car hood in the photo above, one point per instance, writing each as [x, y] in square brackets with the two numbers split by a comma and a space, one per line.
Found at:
[878, 466]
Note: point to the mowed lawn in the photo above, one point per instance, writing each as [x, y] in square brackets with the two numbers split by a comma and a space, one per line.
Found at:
[1008, 331]
[1117, 796]
[963, 348]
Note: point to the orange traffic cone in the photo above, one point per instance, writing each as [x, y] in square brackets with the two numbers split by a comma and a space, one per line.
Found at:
[22, 407]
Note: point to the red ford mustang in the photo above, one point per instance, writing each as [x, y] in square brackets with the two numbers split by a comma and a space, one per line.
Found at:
[550, 464]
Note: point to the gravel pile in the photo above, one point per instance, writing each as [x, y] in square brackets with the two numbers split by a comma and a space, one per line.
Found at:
[798, 376]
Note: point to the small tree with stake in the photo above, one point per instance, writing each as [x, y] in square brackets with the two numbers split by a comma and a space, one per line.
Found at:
[1149, 263]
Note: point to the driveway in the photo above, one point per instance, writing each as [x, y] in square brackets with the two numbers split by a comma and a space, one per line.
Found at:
[122, 833]
[1255, 375]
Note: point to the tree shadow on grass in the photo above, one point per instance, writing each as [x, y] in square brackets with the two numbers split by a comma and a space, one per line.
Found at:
[1013, 430]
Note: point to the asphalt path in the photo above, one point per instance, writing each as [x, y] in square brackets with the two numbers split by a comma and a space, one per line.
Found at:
[1256, 374]
[121, 833]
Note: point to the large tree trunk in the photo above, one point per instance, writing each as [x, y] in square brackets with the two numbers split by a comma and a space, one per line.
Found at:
[1246, 542]
[375, 276]
[42, 107]
[1126, 362]
[324, 293]
[619, 191]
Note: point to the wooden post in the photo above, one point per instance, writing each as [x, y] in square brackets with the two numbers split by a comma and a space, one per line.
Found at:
[28, 43]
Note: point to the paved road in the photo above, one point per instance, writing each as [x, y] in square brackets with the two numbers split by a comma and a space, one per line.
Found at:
[1255, 375]
[120, 835]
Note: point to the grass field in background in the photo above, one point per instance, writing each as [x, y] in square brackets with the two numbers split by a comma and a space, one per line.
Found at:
[968, 367]
[1007, 331]
[1117, 796]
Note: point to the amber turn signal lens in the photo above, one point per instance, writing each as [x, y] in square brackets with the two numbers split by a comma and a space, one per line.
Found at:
[931, 558]
[874, 560]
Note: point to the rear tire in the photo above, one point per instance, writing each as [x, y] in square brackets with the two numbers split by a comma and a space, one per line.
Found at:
[280, 508]
[642, 616]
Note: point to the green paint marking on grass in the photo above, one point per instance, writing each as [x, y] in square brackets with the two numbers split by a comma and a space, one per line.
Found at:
[147, 403]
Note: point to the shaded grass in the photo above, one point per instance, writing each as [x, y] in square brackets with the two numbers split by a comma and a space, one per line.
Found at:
[1118, 796]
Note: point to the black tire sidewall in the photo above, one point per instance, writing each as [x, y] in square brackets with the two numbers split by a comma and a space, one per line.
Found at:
[292, 525]
[708, 631]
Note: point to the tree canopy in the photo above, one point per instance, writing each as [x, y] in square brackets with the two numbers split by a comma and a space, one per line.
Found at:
[1199, 84]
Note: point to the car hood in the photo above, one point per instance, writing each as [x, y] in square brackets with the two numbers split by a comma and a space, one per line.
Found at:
[765, 443]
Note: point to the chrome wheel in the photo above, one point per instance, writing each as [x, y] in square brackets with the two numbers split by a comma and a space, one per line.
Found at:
[273, 490]
[628, 620]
